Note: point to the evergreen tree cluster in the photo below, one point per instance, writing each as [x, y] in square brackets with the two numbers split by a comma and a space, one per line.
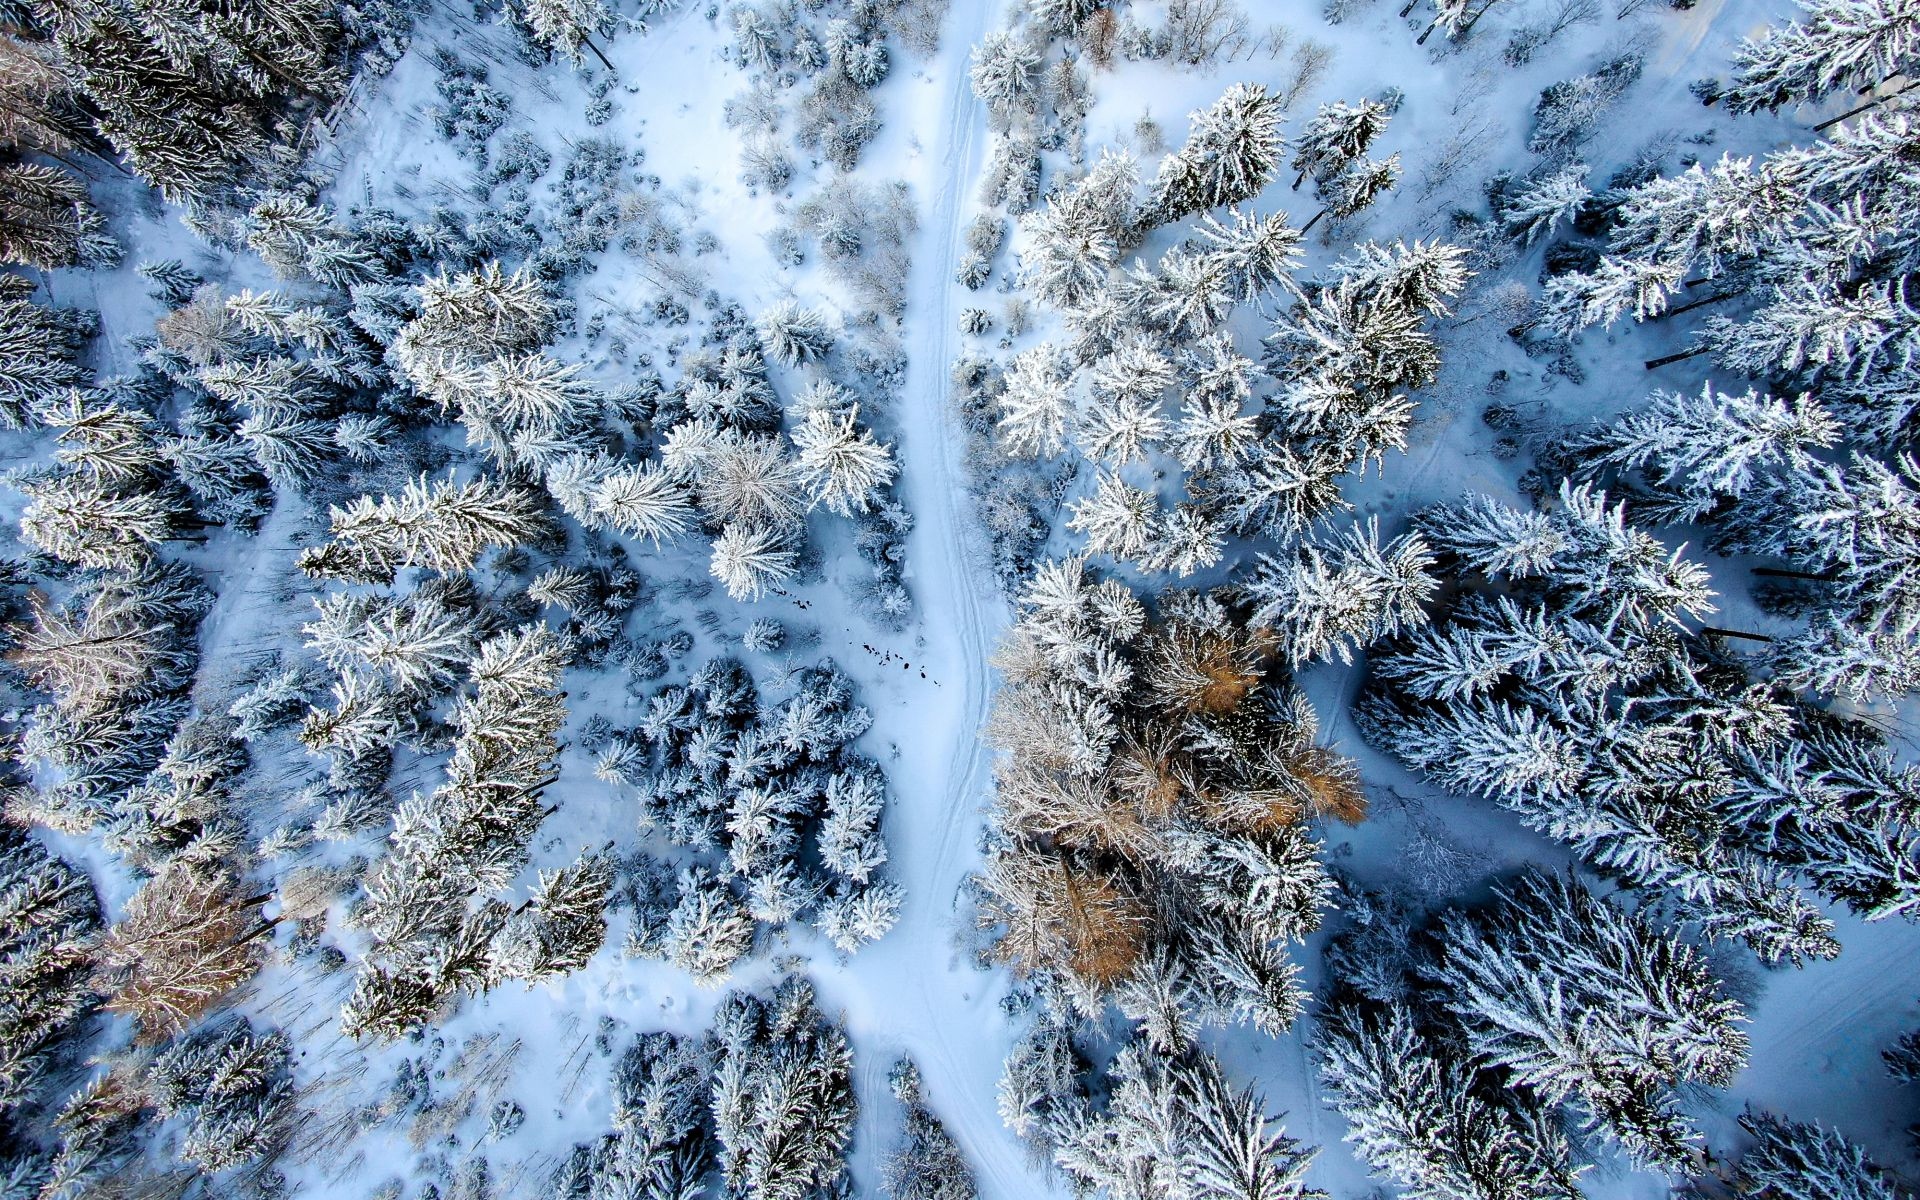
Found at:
[1462, 1057]
[762, 1106]
[823, 60]
[230, 1089]
[1151, 816]
[115, 659]
[1170, 1122]
[1566, 682]
[1344, 352]
[51, 914]
[927, 1164]
[198, 99]
[775, 787]
[468, 839]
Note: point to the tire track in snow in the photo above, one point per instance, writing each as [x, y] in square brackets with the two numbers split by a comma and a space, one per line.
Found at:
[956, 596]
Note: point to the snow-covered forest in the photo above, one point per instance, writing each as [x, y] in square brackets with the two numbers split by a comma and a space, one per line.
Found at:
[951, 599]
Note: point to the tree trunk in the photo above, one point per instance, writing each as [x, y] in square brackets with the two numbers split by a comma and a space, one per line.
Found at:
[1474, 19]
[588, 42]
[1716, 298]
[1299, 179]
[1783, 573]
[1860, 108]
[1735, 633]
[1304, 229]
[1408, 9]
[1422, 39]
[1653, 363]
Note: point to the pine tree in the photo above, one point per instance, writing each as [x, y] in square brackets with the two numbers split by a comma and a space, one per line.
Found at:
[794, 334]
[1036, 405]
[568, 26]
[1794, 1160]
[1710, 447]
[39, 347]
[1232, 150]
[1006, 73]
[232, 1088]
[1841, 43]
[47, 219]
[1076, 241]
[1257, 255]
[1118, 519]
[562, 926]
[641, 501]
[1592, 1007]
[1176, 1123]
[782, 1100]
[926, 1165]
[1538, 206]
[1338, 598]
[443, 526]
[843, 464]
[48, 915]
[1415, 1116]
[1337, 135]
[748, 559]
[1358, 186]
[78, 518]
[751, 481]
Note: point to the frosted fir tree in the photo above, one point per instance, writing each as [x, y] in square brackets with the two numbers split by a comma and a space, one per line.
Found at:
[50, 914]
[1232, 150]
[1188, 540]
[1857, 44]
[640, 501]
[47, 219]
[1537, 207]
[843, 463]
[567, 27]
[562, 926]
[1357, 187]
[1617, 287]
[1424, 277]
[794, 334]
[1117, 520]
[927, 1163]
[751, 480]
[783, 1102]
[1037, 404]
[1173, 1120]
[749, 559]
[1595, 1008]
[1335, 599]
[38, 348]
[78, 519]
[1077, 239]
[1415, 1116]
[442, 525]
[1257, 255]
[1005, 72]
[660, 1141]
[1797, 1160]
[1710, 447]
[233, 1089]
[1337, 135]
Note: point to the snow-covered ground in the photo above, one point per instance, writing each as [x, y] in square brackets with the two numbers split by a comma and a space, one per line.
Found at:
[1816, 1032]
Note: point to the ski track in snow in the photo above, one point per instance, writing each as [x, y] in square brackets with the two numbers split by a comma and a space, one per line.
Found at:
[946, 1015]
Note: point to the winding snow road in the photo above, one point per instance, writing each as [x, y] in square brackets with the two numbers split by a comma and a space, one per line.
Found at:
[915, 991]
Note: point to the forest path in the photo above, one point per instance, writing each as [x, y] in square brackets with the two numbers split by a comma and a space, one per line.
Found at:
[918, 987]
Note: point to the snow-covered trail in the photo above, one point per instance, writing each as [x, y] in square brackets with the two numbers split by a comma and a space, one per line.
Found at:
[915, 991]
